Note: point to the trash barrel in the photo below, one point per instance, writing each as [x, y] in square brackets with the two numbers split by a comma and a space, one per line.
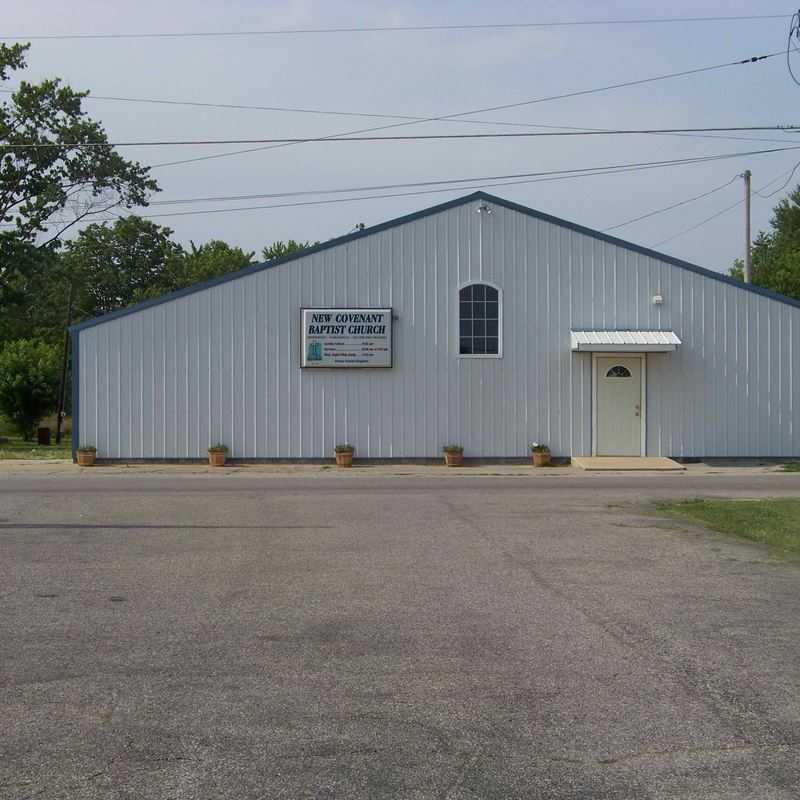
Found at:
[43, 435]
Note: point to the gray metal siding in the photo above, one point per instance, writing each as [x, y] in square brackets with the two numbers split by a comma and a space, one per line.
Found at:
[222, 364]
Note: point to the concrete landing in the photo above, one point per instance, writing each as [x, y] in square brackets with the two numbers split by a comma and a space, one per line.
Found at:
[626, 463]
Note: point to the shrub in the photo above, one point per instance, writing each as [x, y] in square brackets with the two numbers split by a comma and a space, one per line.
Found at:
[343, 448]
[28, 383]
[537, 447]
[218, 448]
[453, 448]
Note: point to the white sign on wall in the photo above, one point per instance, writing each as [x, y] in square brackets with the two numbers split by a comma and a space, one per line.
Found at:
[347, 337]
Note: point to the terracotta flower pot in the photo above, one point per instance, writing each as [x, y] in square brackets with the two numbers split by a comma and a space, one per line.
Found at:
[454, 459]
[86, 458]
[344, 458]
[540, 459]
[217, 459]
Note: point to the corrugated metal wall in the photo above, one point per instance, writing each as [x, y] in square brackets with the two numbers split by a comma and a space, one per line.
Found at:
[222, 364]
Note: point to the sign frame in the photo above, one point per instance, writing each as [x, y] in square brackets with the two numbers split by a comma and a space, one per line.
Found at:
[354, 309]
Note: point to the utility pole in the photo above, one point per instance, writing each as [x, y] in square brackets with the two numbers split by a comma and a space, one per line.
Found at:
[63, 382]
[748, 261]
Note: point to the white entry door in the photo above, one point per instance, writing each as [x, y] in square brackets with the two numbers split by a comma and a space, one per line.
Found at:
[619, 406]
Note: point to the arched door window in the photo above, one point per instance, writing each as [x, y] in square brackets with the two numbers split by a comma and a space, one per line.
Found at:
[479, 320]
[618, 372]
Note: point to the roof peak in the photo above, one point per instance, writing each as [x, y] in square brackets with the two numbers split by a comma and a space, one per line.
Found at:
[478, 194]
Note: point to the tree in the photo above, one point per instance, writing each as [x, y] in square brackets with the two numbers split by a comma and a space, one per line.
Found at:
[209, 260]
[56, 165]
[30, 305]
[56, 168]
[776, 253]
[116, 265]
[278, 249]
[28, 383]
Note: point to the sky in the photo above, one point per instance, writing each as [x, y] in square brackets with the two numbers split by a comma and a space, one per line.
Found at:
[432, 73]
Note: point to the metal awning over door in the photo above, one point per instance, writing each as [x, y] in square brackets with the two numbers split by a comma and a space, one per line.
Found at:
[616, 341]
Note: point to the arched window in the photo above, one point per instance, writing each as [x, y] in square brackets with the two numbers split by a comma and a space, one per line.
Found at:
[618, 372]
[479, 320]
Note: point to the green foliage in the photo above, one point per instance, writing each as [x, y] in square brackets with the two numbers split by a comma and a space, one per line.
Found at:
[116, 265]
[209, 260]
[344, 448]
[50, 188]
[59, 182]
[17, 447]
[453, 448]
[53, 188]
[772, 522]
[218, 448]
[776, 254]
[135, 259]
[109, 266]
[32, 296]
[279, 249]
[29, 372]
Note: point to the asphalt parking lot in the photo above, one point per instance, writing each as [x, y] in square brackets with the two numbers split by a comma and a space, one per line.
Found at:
[241, 637]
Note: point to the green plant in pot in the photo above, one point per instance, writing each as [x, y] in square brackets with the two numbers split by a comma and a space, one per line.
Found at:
[86, 455]
[453, 455]
[217, 454]
[344, 455]
[540, 453]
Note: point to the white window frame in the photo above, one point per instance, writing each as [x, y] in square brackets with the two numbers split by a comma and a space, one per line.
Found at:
[480, 282]
[643, 404]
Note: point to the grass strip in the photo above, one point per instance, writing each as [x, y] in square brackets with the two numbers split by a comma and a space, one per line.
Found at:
[773, 522]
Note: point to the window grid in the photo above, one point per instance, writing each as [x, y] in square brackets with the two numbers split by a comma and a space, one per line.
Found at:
[479, 320]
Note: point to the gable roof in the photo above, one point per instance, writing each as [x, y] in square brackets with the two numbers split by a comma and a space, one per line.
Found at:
[392, 223]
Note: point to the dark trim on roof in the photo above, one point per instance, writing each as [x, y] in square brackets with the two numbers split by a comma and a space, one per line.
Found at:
[392, 223]
[636, 248]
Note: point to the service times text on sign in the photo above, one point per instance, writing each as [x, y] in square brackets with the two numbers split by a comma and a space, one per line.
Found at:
[347, 337]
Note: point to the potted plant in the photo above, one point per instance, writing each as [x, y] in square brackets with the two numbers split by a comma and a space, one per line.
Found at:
[453, 455]
[344, 455]
[217, 454]
[540, 454]
[86, 455]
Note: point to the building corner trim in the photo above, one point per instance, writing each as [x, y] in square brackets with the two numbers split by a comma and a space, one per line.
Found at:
[75, 372]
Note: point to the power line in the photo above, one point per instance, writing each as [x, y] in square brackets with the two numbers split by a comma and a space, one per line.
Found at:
[780, 188]
[400, 28]
[673, 205]
[699, 224]
[476, 179]
[371, 115]
[460, 183]
[401, 137]
[794, 31]
[453, 184]
[460, 114]
[720, 212]
[475, 183]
